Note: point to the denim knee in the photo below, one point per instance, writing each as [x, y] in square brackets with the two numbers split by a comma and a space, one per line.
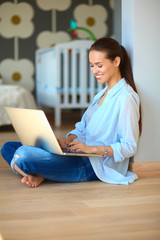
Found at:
[21, 157]
[8, 149]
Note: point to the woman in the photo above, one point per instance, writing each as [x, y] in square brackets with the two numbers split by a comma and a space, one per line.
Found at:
[111, 127]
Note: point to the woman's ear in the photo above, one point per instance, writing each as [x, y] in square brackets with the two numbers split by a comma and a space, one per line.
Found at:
[117, 61]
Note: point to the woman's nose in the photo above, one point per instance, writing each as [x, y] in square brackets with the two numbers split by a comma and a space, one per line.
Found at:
[94, 70]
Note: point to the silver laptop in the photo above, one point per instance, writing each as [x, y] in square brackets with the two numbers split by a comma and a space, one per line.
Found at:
[33, 129]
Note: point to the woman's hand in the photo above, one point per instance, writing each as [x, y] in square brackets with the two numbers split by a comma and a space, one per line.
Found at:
[62, 143]
[81, 147]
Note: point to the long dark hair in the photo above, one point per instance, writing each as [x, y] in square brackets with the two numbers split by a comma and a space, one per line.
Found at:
[113, 49]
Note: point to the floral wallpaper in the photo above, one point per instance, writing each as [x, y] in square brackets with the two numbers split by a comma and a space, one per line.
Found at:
[26, 25]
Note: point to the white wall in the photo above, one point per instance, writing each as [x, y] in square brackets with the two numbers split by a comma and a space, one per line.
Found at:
[141, 37]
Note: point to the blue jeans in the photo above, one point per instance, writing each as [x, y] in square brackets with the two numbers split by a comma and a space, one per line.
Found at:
[33, 160]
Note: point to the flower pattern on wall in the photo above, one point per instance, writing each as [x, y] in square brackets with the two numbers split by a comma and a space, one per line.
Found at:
[60, 5]
[16, 20]
[111, 3]
[49, 39]
[93, 18]
[18, 72]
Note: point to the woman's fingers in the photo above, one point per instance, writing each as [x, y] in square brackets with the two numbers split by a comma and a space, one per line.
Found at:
[77, 146]
[61, 142]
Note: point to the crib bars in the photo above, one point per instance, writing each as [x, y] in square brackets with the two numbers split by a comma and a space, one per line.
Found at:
[63, 77]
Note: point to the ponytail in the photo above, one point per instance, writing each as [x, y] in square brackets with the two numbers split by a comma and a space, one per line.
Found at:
[126, 72]
[113, 49]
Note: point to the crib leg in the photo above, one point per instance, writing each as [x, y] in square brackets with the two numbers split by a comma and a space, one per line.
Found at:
[57, 117]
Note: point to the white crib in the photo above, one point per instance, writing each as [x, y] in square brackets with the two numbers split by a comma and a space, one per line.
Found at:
[63, 77]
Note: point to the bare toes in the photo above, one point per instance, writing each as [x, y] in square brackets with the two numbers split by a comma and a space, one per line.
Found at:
[24, 179]
[29, 184]
[35, 181]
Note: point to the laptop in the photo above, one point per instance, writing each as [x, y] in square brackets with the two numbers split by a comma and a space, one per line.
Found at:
[33, 129]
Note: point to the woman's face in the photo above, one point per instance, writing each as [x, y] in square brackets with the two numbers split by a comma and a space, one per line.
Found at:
[104, 69]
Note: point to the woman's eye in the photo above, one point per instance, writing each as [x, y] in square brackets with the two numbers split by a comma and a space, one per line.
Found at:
[99, 66]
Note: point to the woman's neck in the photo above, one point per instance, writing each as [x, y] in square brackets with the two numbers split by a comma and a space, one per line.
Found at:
[114, 81]
[110, 84]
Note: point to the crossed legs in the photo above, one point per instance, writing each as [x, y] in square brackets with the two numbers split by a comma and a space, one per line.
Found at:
[36, 165]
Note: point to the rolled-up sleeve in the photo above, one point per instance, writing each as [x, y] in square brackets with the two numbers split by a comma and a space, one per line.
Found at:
[128, 128]
[79, 127]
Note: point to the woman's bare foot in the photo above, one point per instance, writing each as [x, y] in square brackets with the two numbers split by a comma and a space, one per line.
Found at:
[32, 181]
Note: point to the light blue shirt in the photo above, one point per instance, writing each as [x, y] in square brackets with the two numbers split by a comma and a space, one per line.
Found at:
[115, 124]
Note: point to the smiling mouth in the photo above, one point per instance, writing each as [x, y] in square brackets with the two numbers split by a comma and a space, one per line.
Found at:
[98, 76]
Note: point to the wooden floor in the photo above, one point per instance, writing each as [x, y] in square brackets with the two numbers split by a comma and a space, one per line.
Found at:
[79, 211]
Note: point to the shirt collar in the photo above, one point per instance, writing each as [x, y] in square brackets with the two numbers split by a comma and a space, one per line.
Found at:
[113, 90]
[116, 88]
